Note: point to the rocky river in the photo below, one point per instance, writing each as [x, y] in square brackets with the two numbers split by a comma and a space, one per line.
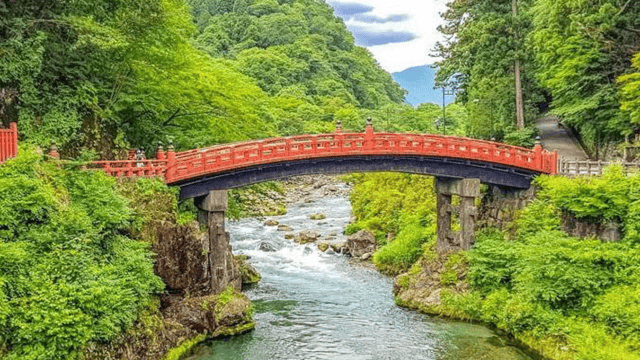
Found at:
[314, 305]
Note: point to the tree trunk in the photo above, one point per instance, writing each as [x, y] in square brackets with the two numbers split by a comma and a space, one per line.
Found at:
[517, 71]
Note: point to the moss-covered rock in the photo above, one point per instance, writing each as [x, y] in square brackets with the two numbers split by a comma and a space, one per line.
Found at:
[323, 246]
[233, 313]
[249, 274]
[319, 216]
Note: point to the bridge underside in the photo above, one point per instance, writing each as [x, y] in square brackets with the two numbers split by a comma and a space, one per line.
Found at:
[491, 174]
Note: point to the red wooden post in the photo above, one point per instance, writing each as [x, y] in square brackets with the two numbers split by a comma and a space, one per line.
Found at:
[368, 135]
[538, 154]
[554, 162]
[171, 163]
[14, 132]
[160, 152]
[338, 137]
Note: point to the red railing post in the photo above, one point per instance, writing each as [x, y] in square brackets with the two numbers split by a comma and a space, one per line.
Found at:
[537, 149]
[14, 132]
[160, 152]
[368, 135]
[338, 137]
[171, 163]
[554, 162]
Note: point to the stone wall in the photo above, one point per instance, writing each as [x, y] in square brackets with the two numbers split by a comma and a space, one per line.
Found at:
[499, 205]
[607, 232]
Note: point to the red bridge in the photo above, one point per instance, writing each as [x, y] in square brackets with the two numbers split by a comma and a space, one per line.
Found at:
[234, 165]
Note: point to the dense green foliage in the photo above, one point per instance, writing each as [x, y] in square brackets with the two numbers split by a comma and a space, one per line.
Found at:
[565, 297]
[105, 75]
[580, 58]
[574, 55]
[543, 283]
[110, 75]
[400, 211]
[68, 274]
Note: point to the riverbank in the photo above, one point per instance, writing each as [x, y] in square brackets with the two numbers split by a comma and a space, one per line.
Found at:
[565, 298]
[96, 268]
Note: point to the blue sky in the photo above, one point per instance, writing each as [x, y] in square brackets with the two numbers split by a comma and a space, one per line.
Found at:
[399, 33]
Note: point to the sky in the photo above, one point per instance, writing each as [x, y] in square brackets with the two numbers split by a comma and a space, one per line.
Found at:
[399, 33]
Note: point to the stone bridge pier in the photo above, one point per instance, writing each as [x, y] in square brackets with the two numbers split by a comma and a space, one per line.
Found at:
[223, 269]
[467, 190]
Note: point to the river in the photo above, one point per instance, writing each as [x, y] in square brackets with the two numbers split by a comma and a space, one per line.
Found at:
[311, 305]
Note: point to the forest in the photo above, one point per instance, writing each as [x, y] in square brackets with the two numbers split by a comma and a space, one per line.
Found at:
[579, 60]
[99, 77]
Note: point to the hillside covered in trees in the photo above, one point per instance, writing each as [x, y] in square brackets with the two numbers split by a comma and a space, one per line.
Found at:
[580, 59]
[108, 75]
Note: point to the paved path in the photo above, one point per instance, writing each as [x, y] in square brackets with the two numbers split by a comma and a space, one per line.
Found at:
[556, 137]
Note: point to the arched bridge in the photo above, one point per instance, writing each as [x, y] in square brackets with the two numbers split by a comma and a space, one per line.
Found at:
[235, 165]
[459, 164]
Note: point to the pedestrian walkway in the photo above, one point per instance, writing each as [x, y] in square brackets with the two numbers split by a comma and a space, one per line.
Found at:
[555, 137]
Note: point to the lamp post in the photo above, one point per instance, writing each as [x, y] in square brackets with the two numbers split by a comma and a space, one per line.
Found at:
[446, 91]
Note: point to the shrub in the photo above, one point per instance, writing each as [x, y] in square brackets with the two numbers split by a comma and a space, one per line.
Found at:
[67, 274]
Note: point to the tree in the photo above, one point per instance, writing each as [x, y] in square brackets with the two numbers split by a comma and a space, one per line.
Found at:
[484, 55]
[581, 56]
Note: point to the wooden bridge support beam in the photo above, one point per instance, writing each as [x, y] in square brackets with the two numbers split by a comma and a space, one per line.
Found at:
[467, 190]
[222, 268]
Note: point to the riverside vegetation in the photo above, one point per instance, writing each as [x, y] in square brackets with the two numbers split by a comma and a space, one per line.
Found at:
[564, 297]
[77, 269]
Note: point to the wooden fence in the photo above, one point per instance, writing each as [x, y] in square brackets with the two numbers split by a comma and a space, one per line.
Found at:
[573, 168]
[8, 142]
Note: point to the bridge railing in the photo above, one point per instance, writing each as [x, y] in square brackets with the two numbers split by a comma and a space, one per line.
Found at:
[177, 167]
[131, 168]
[227, 157]
[8, 142]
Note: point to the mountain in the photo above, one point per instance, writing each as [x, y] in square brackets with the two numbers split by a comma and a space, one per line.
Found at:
[419, 81]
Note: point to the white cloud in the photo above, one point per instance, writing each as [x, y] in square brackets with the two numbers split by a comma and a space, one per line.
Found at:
[423, 18]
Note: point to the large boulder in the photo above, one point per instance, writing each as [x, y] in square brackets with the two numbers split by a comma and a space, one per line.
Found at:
[307, 236]
[361, 243]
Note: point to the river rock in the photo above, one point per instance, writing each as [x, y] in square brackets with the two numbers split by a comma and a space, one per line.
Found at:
[323, 246]
[361, 243]
[268, 246]
[289, 236]
[249, 274]
[339, 248]
[318, 216]
[333, 234]
[307, 250]
[307, 236]
[365, 257]
[284, 228]
[271, 222]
